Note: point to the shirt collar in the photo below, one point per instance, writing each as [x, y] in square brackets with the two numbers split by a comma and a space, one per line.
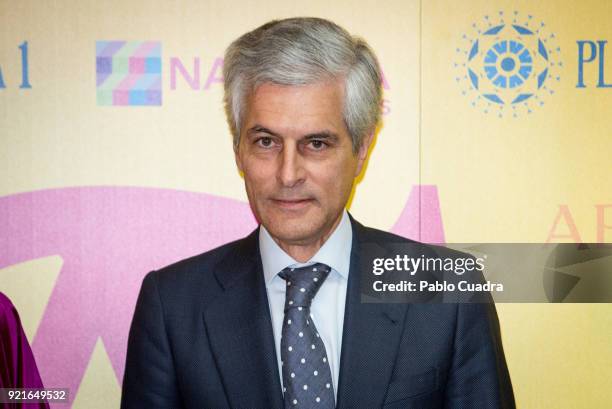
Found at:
[335, 252]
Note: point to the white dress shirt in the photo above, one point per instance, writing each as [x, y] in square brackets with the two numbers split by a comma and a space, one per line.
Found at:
[327, 307]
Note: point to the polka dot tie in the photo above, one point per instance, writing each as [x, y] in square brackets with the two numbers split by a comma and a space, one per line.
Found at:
[307, 381]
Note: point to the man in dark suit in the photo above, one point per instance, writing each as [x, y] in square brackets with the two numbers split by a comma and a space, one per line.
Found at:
[276, 320]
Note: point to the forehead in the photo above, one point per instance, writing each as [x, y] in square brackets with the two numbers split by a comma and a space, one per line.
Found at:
[300, 107]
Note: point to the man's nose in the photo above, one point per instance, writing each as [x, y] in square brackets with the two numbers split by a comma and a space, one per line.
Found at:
[291, 170]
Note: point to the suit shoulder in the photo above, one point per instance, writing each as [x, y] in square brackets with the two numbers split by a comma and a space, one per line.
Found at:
[370, 234]
[198, 269]
[381, 237]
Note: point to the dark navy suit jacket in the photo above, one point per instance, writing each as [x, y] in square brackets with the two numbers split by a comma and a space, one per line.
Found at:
[201, 337]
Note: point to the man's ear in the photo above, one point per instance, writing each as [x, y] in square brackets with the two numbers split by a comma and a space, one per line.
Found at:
[238, 159]
[362, 152]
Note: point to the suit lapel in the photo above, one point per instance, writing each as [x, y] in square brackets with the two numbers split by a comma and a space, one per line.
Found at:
[240, 330]
[370, 340]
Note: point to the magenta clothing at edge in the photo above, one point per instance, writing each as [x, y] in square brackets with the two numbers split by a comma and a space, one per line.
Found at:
[17, 365]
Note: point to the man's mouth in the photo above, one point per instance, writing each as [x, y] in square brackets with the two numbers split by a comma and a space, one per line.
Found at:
[292, 204]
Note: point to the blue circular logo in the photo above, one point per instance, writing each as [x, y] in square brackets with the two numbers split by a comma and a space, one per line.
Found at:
[509, 65]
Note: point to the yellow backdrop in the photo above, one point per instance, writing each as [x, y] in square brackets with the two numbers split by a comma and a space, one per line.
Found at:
[500, 178]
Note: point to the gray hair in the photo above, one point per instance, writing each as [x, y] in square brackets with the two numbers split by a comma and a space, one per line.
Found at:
[301, 51]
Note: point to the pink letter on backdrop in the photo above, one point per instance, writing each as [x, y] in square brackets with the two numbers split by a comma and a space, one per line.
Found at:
[217, 68]
[421, 219]
[194, 82]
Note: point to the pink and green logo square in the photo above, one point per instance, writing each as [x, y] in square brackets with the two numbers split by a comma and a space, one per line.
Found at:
[128, 73]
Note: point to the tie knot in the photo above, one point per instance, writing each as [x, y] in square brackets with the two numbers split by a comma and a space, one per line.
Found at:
[303, 283]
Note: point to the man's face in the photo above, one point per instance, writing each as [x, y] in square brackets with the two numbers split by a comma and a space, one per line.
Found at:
[298, 161]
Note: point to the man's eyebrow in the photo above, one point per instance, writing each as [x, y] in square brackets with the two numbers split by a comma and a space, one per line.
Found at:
[328, 135]
[322, 135]
[260, 129]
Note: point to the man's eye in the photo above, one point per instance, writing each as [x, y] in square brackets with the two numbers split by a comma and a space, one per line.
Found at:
[317, 144]
[264, 142]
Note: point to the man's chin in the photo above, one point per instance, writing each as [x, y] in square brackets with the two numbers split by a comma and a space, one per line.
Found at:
[291, 229]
